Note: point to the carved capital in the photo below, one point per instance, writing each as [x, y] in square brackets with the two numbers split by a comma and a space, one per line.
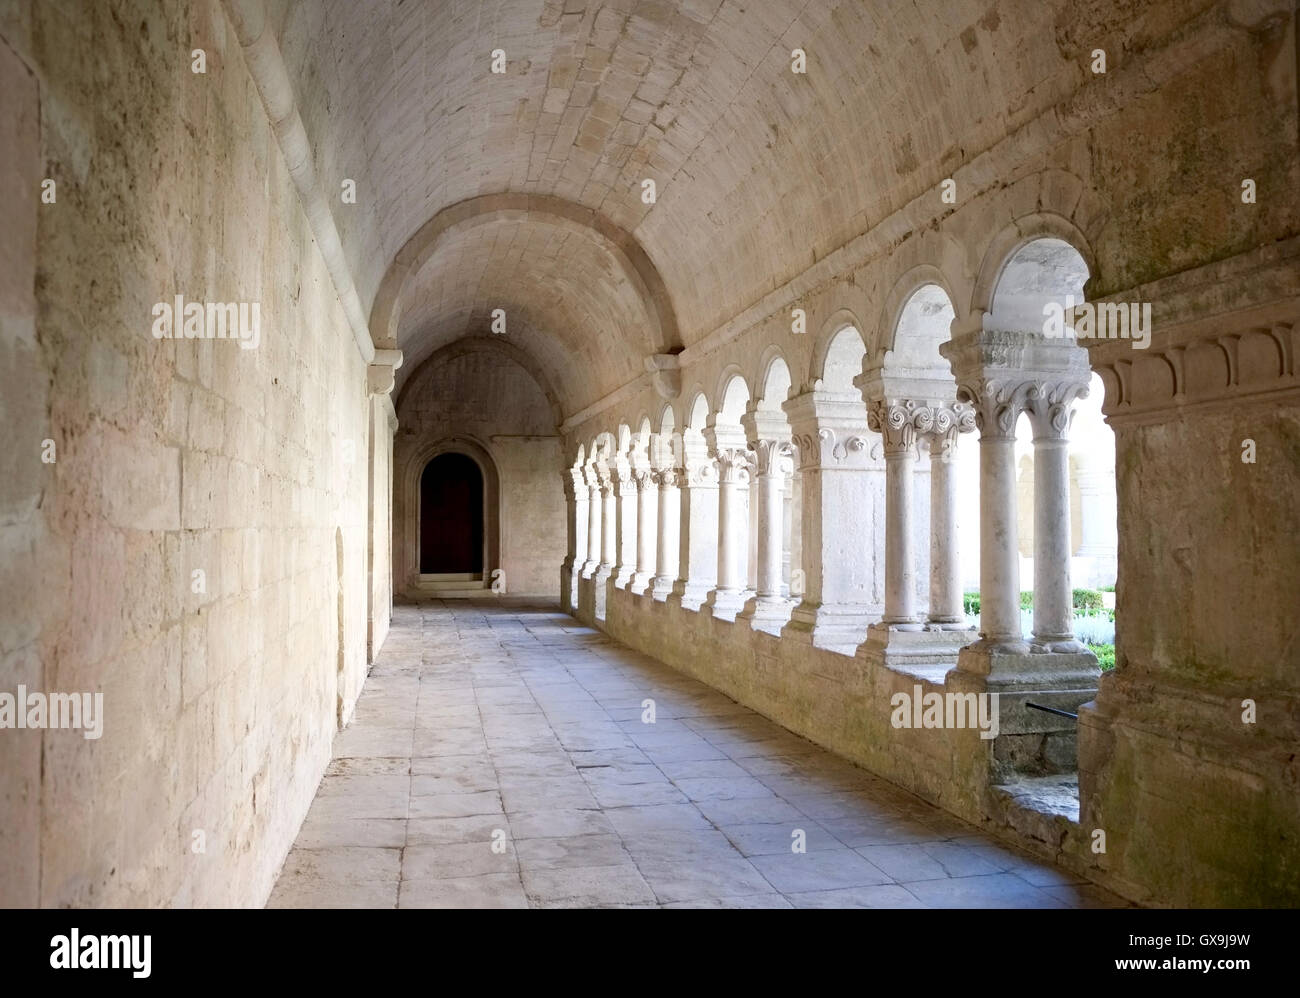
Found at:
[667, 478]
[772, 457]
[1051, 407]
[734, 465]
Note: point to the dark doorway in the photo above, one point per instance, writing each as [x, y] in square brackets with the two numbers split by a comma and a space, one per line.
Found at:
[451, 516]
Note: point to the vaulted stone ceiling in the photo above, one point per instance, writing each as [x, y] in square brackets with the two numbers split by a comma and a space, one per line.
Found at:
[759, 171]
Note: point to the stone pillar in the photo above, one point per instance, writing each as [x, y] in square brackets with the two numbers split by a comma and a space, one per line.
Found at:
[609, 525]
[836, 457]
[669, 531]
[768, 435]
[996, 415]
[946, 611]
[595, 535]
[647, 519]
[625, 504]
[698, 552]
[894, 421]
[733, 533]
[575, 498]
[1050, 414]
[608, 542]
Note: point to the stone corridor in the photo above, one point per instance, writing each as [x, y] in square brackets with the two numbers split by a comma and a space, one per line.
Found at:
[505, 719]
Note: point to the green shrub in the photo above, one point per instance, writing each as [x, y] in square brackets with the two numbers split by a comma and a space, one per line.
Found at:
[1027, 600]
[970, 603]
[1087, 599]
[1105, 656]
[1107, 589]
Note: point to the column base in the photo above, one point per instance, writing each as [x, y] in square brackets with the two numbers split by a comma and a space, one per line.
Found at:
[907, 649]
[661, 588]
[767, 613]
[836, 627]
[725, 604]
[690, 595]
[1009, 666]
[623, 575]
[640, 584]
[1030, 742]
[588, 569]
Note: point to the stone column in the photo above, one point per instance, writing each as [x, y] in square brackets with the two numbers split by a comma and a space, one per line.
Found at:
[733, 532]
[609, 525]
[895, 422]
[625, 503]
[769, 437]
[595, 536]
[995, 415]
[575, 498]
[1050, 408]
[836, 460]
[946, 611]
[669, 531]
[698, 552]
[647, 519]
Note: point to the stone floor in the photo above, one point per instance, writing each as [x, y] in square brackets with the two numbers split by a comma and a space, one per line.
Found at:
[498, 758]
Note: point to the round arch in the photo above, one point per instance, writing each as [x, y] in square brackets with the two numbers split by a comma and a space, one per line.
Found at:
[839, 320]
[1003, 246]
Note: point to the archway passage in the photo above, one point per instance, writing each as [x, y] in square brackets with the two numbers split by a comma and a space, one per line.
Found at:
[451, 517]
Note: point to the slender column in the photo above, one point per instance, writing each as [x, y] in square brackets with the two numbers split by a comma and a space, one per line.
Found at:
[647, 492]
[946, 611]
[894, 421]
[1050, 413]
[609, 525]
[625, 504]
[594, 533]
[771, 507]
[698, 552]
[575, 496]
[999, 537]
[669, 531]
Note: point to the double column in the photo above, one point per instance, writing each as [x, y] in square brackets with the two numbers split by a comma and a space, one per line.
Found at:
[697, 570]
[668, 481]
[647, 509]
[595, 535]
[577, 502]
[1050, 376]
[625, 505]
[837, 460]
[734, 465]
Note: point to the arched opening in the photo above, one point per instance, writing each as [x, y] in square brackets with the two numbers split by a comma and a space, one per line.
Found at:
[451, 517]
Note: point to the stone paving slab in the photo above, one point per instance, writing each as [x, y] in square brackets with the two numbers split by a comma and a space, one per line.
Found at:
[498, 759]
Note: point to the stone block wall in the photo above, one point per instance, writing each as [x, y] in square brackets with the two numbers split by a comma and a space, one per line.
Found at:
[172, 457]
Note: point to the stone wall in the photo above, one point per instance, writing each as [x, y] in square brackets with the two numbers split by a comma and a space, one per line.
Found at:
[173, 457]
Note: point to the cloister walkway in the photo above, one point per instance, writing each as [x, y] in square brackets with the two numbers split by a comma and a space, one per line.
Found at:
[502, 756]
